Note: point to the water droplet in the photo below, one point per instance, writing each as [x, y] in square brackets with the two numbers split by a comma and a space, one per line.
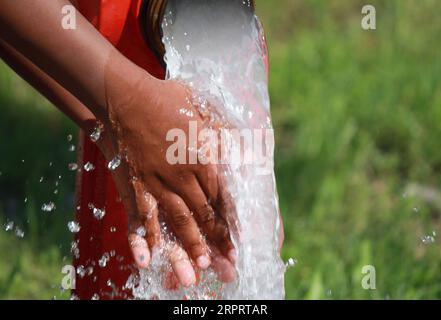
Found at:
[112, 229]
[81, 271]
[48, 207]
[74, 249]
[89, 270]
[19, 233]
[73, 226]
[115, 163]
[69, 137]
[141, 231]
[41, 179]
[89, 167]
[71, 148]
[95, 297]
[186, 112]
[56, 191]
[291, 263]
[187, 47]
[103, 260]
[96, 134]
[427, 239]
[9, 226]
[97, 213]
[415, 209]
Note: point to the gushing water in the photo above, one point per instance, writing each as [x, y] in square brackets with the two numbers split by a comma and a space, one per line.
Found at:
[218, 49]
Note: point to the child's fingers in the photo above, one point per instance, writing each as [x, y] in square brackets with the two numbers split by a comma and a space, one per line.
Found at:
[138, 244]
[181, 220]
[182, 266]
[144, 229]
[170, 282]
[147, 209]
[197, 202]
[211, 223]
[140, 250]
[223, 267]
[185, 227]
[199, 192]
[227, 210]
[207, 178]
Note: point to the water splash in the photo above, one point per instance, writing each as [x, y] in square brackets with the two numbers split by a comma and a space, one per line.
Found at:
[291, 263]
[9, 226]
[19, 233]
[429, 238]
[103, 260]
[97, 212]
[114, 163]
[96, 133]
[218, 49]
[48, 207]
[73, 226]
[89, 167]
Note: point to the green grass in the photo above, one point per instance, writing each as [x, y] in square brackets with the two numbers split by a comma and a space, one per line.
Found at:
[358, 118]
[27, 273]
[358, 125]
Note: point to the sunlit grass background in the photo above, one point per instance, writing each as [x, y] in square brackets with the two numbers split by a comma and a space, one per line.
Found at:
[358, 161]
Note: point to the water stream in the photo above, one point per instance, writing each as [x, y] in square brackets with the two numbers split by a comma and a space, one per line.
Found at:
[218, 49]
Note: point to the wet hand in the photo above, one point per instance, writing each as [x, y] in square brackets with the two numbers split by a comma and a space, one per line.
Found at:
[187, 196]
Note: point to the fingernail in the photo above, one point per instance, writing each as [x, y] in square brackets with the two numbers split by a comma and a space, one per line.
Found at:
[184, 272]
[232, 255]
[142, 257]
[203, 262]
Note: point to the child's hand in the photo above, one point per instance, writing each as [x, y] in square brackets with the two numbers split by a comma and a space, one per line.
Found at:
[145, 218]
[141, 112]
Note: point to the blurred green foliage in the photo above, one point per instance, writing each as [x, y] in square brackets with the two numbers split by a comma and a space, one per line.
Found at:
[358, 155]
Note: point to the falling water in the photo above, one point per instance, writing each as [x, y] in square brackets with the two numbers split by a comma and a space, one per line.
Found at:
[218, 49]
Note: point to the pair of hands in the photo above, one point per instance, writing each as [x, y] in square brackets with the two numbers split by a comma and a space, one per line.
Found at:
[188, 197]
